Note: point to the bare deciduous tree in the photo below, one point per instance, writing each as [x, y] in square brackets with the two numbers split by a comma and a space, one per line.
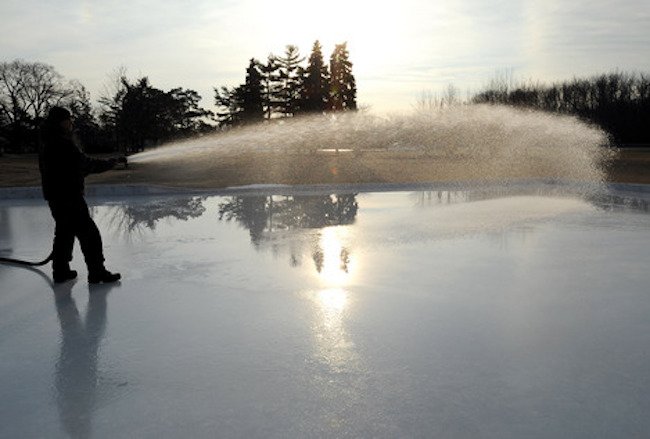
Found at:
[28, 89]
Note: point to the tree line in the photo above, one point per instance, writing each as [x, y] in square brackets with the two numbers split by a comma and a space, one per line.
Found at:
[134, 114]
[618, 102]
[283, 87]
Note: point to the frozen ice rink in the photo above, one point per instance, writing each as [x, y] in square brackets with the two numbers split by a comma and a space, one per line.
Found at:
[443, 313]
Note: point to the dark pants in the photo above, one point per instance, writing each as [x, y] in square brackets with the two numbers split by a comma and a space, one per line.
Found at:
[72, 220]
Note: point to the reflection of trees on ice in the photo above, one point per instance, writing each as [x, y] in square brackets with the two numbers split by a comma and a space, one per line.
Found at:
[272, 213]
[313, 227]
[268, 218]
[319, 259]
[133, 217]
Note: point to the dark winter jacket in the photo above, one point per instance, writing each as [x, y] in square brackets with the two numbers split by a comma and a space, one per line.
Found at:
[63, 168]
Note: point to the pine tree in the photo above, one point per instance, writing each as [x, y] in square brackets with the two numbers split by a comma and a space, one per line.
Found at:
[315, 86]
[252, 104]
[186, 116]
[242, 104]
[271, 85]
[230, 104]
[343, 89]
[289, 94]
[143, 117]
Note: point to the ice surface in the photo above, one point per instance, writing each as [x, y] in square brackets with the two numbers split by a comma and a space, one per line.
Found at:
[407, 314]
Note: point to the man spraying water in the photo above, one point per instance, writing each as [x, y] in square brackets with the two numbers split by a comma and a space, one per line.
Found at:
[63, 168]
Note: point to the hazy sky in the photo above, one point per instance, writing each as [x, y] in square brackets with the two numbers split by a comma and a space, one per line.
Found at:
[399, 48]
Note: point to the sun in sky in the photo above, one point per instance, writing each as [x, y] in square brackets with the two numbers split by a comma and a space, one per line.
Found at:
[373, 28]
[398, 49]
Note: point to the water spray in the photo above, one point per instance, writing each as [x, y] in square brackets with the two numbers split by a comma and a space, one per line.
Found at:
[491, 142]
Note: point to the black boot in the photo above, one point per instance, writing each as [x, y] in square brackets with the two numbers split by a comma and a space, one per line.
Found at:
[101, 274]
[61, 272]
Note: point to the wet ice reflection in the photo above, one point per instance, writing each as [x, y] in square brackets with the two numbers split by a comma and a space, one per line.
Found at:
[76, 369]
[77, 373]
[332, 302]
[334, 262]
[337, 371]
[350, 315]
[136, 217]
[334, 348]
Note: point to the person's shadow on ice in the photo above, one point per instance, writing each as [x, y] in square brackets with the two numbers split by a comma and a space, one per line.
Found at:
[76, 375]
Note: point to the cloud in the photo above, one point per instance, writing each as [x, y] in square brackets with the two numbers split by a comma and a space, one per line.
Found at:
[397, 51]
[585, 37]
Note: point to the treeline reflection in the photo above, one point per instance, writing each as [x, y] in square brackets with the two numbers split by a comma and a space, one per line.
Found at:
[133, 217]
[269, 217]
[266, 216]
[261, 214]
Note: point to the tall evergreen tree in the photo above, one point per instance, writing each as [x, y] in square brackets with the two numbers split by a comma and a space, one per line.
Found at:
[289, 94]
[343, 89]
[242, 104]
[186, 115]
[315, 86]
[230, 102]
[271, 86]
[252, 103]
[142, 118]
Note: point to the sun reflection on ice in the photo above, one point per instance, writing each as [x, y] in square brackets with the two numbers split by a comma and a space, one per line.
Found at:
[332, 303]
[337, 371]
[334, 263]
[334, 350]
[335, 269]
[333, 300]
